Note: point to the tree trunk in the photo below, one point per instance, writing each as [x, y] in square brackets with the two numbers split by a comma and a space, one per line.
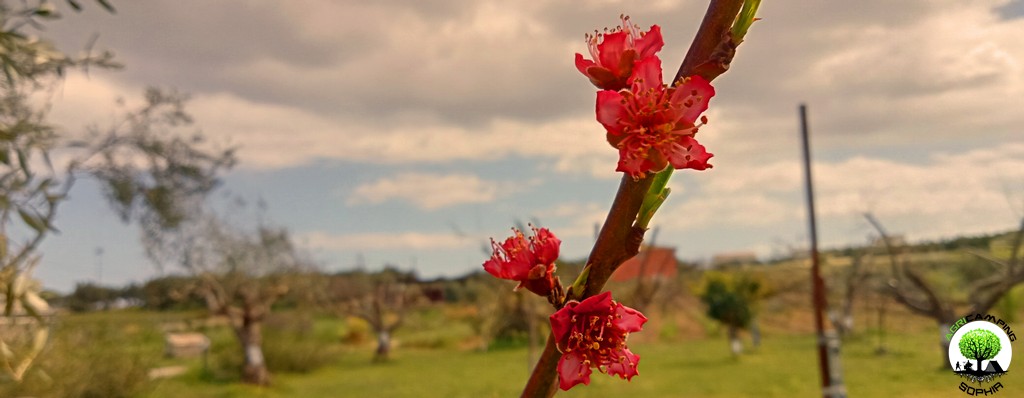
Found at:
[882, 349]
[755, 333]
[254, 371]
[383, 346]
[734, 341]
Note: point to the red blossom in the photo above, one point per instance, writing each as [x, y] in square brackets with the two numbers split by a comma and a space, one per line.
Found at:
[592, 334]
[614, 53]
[652, 125]
[530, 261]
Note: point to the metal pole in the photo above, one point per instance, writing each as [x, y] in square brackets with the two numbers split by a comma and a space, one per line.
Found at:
[831, 384]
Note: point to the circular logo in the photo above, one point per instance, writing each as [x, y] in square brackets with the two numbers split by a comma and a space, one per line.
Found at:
[980, 351]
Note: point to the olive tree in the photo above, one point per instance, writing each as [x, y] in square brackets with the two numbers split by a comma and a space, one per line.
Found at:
[32, 187]
[239, 271]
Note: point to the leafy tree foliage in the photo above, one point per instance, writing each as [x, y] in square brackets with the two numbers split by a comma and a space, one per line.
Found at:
[731, 299]
[32, 187]
[240, 273]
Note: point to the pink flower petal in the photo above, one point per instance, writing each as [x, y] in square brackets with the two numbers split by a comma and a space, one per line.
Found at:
[561, 323]
[687, 153]
[635, 167]
[545, 246]
[628, 319]
[610, 50]
[610, 110]
[692, 98]
[650, 43]
[599, 303]
[583, 64]
[624, 364]
[512, 270]
[646, 75]
[572, 371]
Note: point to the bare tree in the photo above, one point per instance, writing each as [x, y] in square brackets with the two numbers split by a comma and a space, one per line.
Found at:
[382, 300]
[385, 310]
[915, 292]
[852, 279]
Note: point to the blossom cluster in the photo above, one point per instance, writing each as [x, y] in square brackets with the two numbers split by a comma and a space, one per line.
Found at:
[529, 261]
[592, 334]
[652, 124]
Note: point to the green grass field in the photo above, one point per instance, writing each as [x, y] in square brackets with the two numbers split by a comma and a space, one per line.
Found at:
[784, 366]
[434, 357]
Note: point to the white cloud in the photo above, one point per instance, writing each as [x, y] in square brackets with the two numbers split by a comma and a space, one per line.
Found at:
[428, 191]
[574, 219]
[276, 136]
[950, 194]
[950, 69]
[383, 241]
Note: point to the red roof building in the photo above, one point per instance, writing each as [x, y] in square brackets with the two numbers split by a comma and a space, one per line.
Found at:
[652, 262]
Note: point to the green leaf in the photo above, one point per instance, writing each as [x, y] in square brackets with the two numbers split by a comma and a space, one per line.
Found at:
[106, 5]
[655, 197]
[46, 158]
[45, 10]
[33, 220]
[23, 162]
[576, 290]
[39, 340]
[745, 19]
[54, 198]
[6, 351]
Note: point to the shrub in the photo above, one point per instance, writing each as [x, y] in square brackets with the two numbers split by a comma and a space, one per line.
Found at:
[292, 345]
[88, 363]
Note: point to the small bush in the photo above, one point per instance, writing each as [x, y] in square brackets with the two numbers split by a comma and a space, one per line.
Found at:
[357, 331]
[87, 363]
[291, 344]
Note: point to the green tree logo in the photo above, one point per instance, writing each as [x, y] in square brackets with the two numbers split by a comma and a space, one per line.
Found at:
[979, 345]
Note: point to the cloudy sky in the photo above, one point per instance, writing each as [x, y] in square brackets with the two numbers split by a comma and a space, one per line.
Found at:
[408, 132]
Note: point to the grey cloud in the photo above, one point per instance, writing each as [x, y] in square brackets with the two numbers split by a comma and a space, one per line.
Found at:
[340, 59]
[466, 64]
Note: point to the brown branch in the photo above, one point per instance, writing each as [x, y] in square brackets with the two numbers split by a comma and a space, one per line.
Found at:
[934, 307]
[707, 46]
[618, 240]
[911, 303]
[986, 299]
[938, 307]
[987, 295]
[889, 248]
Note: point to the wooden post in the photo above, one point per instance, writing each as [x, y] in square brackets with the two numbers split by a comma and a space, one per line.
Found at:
[828, 354]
